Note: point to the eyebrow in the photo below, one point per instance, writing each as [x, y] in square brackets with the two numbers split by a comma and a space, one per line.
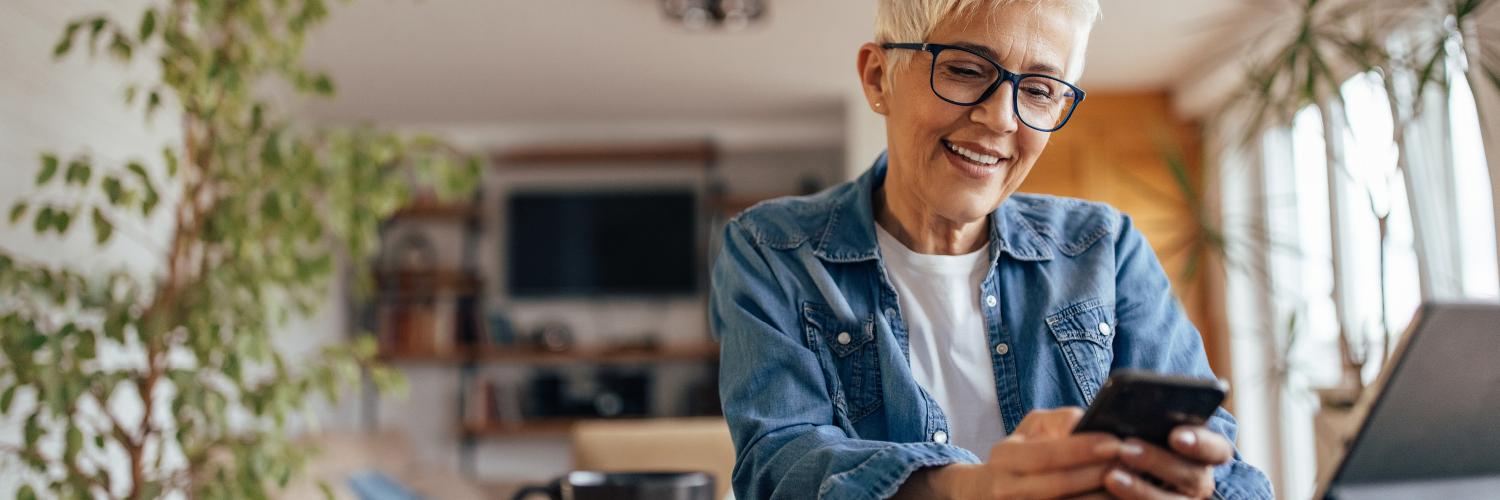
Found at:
[1038, 67]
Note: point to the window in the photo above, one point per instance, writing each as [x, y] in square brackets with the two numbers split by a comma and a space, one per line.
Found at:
[1471, 181]
[1343, 247]
[1381, 287]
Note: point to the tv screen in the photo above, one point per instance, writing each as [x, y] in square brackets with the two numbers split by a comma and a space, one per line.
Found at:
[581, 243]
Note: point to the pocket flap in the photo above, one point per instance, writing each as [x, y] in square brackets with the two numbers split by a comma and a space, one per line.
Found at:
[841, 336]
[1088, 320]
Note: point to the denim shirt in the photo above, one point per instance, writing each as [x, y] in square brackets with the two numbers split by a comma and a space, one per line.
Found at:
[815, 375]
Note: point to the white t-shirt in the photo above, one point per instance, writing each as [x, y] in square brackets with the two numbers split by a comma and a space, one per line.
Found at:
[950, 355]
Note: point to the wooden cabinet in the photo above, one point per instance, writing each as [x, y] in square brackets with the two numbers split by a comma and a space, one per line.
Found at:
[1115, 150]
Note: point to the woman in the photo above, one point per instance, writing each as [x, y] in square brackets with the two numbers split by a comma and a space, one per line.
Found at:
[920, 331]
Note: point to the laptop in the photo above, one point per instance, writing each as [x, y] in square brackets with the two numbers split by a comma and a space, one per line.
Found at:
[1433, 430]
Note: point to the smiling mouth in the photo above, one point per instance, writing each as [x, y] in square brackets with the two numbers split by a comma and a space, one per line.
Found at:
[975, 157]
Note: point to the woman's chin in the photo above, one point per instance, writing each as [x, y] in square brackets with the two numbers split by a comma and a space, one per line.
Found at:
[964, 207]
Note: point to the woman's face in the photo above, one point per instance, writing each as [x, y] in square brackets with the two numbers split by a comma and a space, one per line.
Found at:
[923, 131]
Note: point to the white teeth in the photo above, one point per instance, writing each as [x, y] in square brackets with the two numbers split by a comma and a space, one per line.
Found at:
[982, 159]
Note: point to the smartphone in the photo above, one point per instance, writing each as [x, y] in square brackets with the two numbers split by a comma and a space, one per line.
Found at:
[1147, 405]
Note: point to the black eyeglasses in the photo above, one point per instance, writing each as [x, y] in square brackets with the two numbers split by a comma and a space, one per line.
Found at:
[964, 77]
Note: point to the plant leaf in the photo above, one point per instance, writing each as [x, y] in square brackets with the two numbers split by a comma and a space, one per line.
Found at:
[61, 220]
[103, 229]
[113, 190]
[139, 171]
[153, 101]
[148, 24]
[73, 442]
[79, 171]
[120, 48]
[171, 159]
[18, 211]
[322, 85]
[149, 203]
[96, 27]
[6, 399]
[49, 169]
[33, 430]
[65, 43]
[42, 220]
[114, 327]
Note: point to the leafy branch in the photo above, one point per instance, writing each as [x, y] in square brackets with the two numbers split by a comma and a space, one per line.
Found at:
[261, 210]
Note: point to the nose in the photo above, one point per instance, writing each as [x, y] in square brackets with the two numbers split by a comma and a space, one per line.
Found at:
[998, 113]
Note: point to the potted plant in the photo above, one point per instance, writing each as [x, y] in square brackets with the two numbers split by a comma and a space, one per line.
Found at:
[175, 374]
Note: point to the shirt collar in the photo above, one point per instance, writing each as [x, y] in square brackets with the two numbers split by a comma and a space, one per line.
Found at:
[849, 235]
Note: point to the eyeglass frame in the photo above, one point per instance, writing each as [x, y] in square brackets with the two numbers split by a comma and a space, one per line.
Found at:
[1005, 76]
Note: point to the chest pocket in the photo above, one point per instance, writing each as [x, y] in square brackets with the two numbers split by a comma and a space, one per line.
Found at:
[852, 351]
[1085, 331]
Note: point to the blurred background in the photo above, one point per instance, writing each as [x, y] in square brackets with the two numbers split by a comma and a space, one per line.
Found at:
[553, 317]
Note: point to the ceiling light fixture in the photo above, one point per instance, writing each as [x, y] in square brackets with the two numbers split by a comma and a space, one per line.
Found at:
[705, 14]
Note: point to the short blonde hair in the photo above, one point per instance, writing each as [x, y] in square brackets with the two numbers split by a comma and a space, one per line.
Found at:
[912, 21]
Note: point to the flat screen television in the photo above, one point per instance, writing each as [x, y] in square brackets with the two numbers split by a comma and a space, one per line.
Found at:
[602, 243]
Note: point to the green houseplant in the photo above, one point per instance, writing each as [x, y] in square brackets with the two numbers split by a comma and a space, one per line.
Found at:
[1408, 44]
[193, 397]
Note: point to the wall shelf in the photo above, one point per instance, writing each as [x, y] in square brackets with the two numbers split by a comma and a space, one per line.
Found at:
[438, 211]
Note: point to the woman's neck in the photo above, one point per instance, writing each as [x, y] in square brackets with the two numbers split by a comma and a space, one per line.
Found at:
[923, 230]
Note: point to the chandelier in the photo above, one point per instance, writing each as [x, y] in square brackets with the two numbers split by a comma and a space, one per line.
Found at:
[705, 14]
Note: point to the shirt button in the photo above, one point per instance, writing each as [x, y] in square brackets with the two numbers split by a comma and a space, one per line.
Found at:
[844, 338]
[1104, 329]
[890, 312]
[1002, 348]
[990, 301]
[940, 437]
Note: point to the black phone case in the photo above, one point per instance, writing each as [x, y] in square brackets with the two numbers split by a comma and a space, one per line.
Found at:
[1148, 405]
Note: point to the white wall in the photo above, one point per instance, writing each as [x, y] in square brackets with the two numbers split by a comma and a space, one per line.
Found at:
[864, 135]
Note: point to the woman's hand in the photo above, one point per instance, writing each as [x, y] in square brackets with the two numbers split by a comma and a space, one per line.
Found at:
[1042, 459]
[1185, 471]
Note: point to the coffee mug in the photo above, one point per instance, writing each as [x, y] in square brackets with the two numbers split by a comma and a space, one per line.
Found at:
[588, 485]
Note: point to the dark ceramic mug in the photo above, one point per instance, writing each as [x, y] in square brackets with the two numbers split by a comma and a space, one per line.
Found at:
[586, 485]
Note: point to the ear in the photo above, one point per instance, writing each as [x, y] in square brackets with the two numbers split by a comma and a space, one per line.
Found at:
[872, 74]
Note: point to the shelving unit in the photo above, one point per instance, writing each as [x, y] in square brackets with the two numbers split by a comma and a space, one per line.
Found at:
[472, 360]
[472, 356]
[397, 289]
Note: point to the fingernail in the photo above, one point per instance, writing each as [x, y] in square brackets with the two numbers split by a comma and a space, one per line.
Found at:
[1119, 477]
[1131, 450]
[1185, 438]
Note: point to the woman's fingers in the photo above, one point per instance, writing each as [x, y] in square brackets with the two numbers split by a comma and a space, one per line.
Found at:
[1063, 483]
[1052, 423]
[1037, 456]
[1126, 486]
[1189, 476]
[1201, 444]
